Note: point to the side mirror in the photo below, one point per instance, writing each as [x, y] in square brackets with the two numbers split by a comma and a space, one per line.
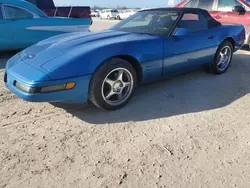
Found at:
[181, 32]
[239, 9]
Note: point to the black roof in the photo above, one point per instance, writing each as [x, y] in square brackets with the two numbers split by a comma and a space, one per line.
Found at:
[177, 10]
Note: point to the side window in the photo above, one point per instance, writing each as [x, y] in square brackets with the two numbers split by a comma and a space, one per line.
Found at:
[193, 22]
[16, 13]
[189, 16]
[227, 5]
[204, 4]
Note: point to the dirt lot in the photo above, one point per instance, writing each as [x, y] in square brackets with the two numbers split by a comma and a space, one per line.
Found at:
[189, 131]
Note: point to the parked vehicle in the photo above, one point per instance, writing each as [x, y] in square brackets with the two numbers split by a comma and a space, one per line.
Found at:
[105, 67]
[225, 11]
[108, 14]
[51, 10]
[125, 14]
[95, 13]
[23, 24]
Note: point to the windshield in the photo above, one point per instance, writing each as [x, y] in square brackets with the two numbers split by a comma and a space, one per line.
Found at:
[149, 22]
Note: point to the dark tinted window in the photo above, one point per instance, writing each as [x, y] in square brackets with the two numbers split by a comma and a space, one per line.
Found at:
[204, 4]
[227, 5]
[114, 10]
[16, 13]
[193, 22]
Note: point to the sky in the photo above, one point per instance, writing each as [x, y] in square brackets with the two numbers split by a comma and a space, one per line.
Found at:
[115, 3]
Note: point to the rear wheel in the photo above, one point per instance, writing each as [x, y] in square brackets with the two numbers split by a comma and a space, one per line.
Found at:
[108, 17]
[118, 17]
[222, 59]
[112, 84]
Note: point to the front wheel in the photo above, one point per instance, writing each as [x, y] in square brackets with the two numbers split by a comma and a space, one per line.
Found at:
[223, 58]
[112, 84]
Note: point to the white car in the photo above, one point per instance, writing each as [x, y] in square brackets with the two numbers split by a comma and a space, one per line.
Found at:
[109, 14]
[94, 13]
[125, 14]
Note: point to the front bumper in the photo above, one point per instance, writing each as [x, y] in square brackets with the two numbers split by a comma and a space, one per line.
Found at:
[79, 94]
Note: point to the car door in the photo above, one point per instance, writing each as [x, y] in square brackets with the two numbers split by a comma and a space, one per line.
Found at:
[6, 37]
[225, 14]
[189, 51]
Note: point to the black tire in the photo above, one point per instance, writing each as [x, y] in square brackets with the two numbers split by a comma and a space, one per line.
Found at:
[108, 17]
[98, 79]
[118, 18]
[213, 67]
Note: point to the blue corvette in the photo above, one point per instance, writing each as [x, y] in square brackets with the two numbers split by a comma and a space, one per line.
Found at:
[105, 67]
[22, 24]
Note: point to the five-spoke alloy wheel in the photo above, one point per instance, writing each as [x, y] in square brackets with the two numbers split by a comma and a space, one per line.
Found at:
[223, 58]
[117, 86]
[112, 84]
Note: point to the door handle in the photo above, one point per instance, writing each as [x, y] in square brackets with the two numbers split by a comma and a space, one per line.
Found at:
[210, 37]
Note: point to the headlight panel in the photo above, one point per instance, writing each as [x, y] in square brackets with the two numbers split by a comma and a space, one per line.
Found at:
[26, 89]
[45, 89]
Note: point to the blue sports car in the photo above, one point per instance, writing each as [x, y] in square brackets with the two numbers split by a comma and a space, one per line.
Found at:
[22, 24]
[105, 67]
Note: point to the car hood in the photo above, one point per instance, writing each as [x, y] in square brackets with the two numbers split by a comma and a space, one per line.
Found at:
[51, 48]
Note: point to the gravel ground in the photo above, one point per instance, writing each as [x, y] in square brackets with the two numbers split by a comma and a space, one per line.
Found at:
[189, 131]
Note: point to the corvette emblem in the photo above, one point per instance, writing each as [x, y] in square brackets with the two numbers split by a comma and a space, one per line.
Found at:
[31, 56]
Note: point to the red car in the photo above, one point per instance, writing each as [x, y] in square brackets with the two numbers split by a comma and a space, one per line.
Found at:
[225, 11]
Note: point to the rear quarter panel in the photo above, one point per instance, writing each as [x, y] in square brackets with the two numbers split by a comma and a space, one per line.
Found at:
[237, 32]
